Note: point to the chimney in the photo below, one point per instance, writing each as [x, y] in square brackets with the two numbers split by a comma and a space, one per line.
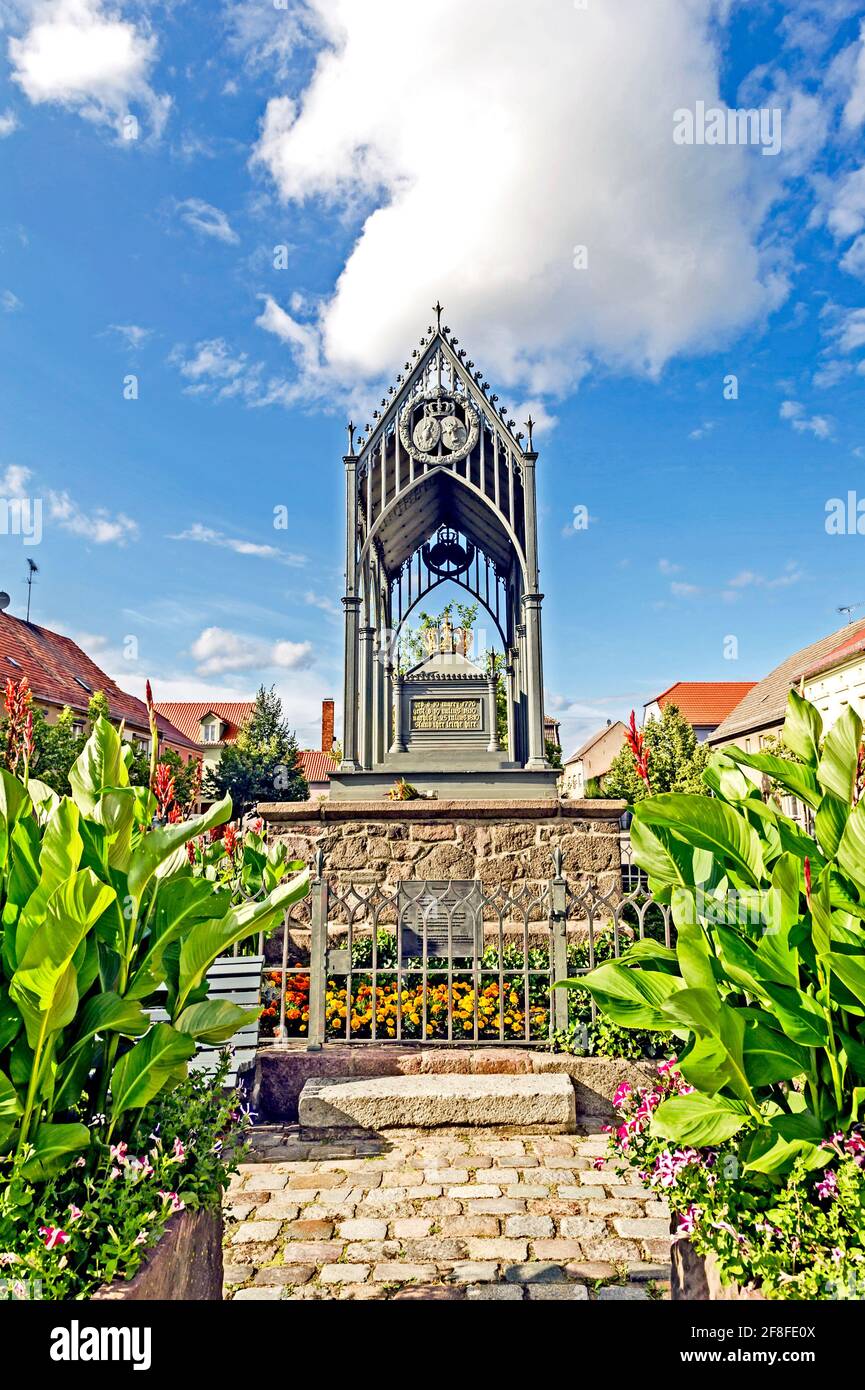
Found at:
[327, 726]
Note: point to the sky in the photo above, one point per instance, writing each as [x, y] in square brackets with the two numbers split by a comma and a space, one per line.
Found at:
[222, 229]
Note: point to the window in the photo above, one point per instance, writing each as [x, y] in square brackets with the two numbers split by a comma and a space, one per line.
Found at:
[13, 662]
[211, 732]
[83, 684]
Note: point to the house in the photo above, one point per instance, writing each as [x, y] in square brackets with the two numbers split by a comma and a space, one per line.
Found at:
[215, 724]
[593, 760]
[318, 763]
[210, 724]
[552, 731]
[705, 704]
[836, 681]
[759, 716]
[61, 675]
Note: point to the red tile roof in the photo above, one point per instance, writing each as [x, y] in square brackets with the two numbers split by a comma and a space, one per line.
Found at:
[60, 673]
[705, 702]
[845, 651]
[315, 765]
[187, 715]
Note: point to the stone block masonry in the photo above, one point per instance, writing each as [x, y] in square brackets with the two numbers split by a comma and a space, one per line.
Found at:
[502, 843]
[444, 1215]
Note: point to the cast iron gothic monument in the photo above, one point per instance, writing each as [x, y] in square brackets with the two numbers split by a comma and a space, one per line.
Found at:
[440, 489]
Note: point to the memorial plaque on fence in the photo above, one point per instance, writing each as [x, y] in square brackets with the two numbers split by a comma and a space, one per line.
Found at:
[434, 906]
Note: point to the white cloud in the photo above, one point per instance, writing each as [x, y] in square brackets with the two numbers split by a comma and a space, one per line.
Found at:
[14, 481]
[205, 535]
[132, 334]
[321, 601]
[531, 150]
[750, 579]
[668, 567]
[682, 590]
[205, 218]
[98, 526]
[9, 302]
[853, 260]
[854, 110]
[80, 55]
[818, 425]
[8, 123]
[218, 649]
[702, 430]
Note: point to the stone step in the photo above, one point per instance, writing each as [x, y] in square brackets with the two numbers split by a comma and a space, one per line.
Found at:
[529, 1103]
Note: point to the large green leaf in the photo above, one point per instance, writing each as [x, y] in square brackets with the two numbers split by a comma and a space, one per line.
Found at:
[851, 850]
[158, 845]
[775, 951]
[51, 1149]
[776, 1146]
[214, 1020]
[708, 824]
[692, 947]
[179, 903]
[770, 1056]
[116, 813]
[44, 983]
[800, 1016]
[829, 823]
[10, 1107]
[803, 729]
[14, 802]
[699, 1120]
[664, 858]
[699, 1009]
[210, 939]
[793, 777]
[836, 770]
[100, 764]
[850, 971]
[142, 1072]
[59, 857]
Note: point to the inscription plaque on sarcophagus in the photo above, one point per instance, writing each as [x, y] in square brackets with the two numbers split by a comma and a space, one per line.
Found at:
[445, 715]
[437, 908]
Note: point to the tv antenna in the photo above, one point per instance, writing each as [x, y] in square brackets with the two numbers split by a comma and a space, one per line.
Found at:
[32, 568]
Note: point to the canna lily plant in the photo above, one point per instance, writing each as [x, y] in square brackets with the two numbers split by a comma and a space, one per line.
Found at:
[102, 916]
[765, 988]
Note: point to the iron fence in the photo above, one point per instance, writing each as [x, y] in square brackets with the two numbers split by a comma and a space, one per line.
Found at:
[446, 963]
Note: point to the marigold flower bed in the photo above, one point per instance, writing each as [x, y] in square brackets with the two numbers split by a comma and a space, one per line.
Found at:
[496, 1009]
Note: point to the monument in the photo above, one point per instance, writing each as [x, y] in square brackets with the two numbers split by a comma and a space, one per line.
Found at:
[440, 489]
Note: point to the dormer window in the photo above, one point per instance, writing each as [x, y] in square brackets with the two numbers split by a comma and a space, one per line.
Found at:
[210, 730]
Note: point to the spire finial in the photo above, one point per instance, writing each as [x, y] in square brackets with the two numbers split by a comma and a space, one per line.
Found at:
[530, 424]
[438, 310]
[351, 427]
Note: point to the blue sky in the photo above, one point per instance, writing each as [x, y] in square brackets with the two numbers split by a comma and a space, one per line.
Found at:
[303, 181]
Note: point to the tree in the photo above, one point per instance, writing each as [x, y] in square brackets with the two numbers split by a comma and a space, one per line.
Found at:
[262, 763]
[553, 752]
[676, 760]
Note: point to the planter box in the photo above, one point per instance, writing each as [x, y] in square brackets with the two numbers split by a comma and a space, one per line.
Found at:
[185, 1266]
[697, 1278]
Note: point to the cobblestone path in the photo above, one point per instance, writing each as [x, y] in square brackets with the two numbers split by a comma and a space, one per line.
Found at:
[441, 1215]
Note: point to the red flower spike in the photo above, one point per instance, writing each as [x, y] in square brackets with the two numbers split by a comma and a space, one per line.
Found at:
[637, 745]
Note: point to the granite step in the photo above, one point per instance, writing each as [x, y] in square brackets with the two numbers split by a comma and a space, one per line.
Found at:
[530, 1103]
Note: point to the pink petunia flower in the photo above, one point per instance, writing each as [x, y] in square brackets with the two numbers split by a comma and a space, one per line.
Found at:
[52, 1236]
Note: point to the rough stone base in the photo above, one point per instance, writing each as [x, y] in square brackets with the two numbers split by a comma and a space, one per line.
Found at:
[185, 1266]
[529, 1103]
[282, 1072]
[697, 1278]
[501, 843]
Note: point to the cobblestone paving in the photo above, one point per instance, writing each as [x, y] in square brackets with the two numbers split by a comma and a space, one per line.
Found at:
[441, 1215]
